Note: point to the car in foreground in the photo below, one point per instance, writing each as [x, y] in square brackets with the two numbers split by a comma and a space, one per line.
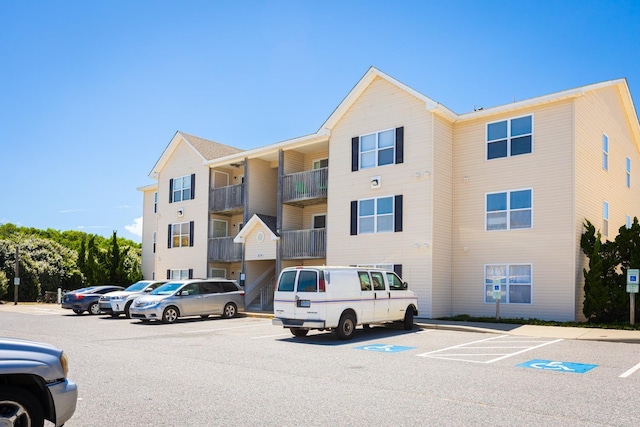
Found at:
[194, 297]
[86, 299]
[33, 384]
[118, 302]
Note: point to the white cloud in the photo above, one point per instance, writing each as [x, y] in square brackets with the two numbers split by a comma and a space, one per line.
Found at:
[135, 228]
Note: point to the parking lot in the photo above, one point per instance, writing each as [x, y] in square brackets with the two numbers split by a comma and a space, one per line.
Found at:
[246, 371]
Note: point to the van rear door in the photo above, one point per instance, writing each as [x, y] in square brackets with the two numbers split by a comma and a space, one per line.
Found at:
[310, 296]
[284, 301]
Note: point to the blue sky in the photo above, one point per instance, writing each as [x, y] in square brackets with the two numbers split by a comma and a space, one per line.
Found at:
[93, 91]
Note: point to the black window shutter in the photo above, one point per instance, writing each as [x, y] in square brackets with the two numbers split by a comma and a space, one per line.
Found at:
[191, 273]
[169, 237]
[354, 217]
[171, 190]
[190, 233]
[193, 185]
[397, 268]
[168, 274]
[355, 153]
[400, 145]
[397, 226]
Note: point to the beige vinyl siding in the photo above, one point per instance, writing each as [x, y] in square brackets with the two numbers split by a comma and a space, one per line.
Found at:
[384, 106]
[442, 202]
[183, 161]
[292, 218]
[262, 188]
[255, 250]
[312, 157]
[293, 162]
[309, 211]
[548, 246]
[149, 226]
[596, 113]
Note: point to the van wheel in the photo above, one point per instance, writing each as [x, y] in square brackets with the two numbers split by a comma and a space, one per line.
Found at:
[346, 326]
[170, 315]
[408, 319]
[299, 332]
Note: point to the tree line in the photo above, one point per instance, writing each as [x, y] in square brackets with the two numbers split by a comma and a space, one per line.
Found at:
[606, 299]
[51, 259]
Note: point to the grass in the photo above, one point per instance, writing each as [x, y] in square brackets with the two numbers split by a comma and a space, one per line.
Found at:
[520, 321]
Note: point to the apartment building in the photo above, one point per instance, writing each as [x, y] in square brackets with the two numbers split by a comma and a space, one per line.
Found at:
[454, 203]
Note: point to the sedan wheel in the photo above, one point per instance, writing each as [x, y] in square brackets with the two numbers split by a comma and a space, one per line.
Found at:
[94, 309]
[170, 315]
[76, 311]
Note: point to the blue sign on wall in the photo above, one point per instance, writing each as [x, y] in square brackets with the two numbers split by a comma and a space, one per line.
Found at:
[550, 365]
[385, 348]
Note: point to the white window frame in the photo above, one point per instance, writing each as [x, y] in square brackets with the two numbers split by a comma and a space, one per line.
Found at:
[508, 210]
[507, 283]
[376, 217]
[180, 235]
[181, 185]
[155, 202]
[605, 151]
[377, 148]
[605, 218]
[213, 274]
[179, 274]
[509, 137]
[383, 266]
[226, 227]
[628, 221]
[628, 169]
[154, 241]
[318, 162]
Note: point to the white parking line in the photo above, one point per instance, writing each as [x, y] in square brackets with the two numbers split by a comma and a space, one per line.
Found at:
[468, 354]
[630, 371]
[271, 336]
[199, 331]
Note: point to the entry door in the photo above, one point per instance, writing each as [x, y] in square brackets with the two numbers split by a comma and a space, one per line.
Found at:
[381, 310]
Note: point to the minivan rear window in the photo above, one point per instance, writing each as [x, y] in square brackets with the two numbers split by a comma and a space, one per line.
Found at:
[287, 280]
[308, 281]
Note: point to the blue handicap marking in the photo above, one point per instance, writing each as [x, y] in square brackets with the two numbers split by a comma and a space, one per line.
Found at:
[385, 348]
[550, 365]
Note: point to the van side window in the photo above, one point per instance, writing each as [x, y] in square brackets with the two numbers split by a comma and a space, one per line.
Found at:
[287, 280]
[308, 281]
[378, 281]
[395, 284]
[365, 281]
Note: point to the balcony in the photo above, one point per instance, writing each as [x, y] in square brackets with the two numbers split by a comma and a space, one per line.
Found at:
[299, 244]
[223, 249]
[305, 188]
[227, 200]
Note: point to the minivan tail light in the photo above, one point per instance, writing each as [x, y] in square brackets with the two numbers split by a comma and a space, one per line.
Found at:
[242, 293]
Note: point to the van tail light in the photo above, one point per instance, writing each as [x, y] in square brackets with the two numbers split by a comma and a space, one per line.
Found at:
[321, 287]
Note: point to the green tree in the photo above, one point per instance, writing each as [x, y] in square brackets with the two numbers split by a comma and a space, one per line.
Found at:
[115, 268]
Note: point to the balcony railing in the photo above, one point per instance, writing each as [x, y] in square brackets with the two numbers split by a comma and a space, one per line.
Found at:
[224, 249]
[305, 188]
[227, 200]
[304, 243]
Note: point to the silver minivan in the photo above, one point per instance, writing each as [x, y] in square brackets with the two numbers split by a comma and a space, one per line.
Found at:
[194, 297]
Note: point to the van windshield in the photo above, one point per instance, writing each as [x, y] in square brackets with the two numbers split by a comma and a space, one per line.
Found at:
[287, 280]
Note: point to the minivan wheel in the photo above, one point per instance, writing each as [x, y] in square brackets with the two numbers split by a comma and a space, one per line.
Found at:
[346, 326]
[230, 310]
[170, 315]
[299, 332]
[19, 407]
[408, 319]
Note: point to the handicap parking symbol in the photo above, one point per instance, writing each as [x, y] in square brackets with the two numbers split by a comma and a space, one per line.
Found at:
[550, 365]
[384, 348]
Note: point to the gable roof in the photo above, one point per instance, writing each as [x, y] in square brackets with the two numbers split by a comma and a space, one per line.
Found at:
[269, 222]
[204, 148]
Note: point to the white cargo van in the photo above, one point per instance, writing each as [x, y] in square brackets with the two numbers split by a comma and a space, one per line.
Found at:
[340, 298]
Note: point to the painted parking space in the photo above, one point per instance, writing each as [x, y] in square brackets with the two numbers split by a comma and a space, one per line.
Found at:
[384, 348]
[490, 350]
[557, 366]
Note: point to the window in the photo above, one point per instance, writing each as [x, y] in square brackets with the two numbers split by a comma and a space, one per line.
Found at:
[182, 188]
[395, 284]
[155, 202]
[628, 222]
[180, 235]
[218, 272]
[320, 221]
[375, 215]
[322, 163]
[154, 242]
[287, 281]
[510, 137]
[605, 152]
[365, 281]
[628, 166]
[218, 228]
[605, 219]
[377, 149]
[509, 210]
[182, 274]
[514, 279]
[378, 281]
[308, 281]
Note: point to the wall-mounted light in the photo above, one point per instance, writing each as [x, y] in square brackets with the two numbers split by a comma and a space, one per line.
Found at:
[376, 182]
[465, 248]
[465, 179]
[180, 211]
[416, 175]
